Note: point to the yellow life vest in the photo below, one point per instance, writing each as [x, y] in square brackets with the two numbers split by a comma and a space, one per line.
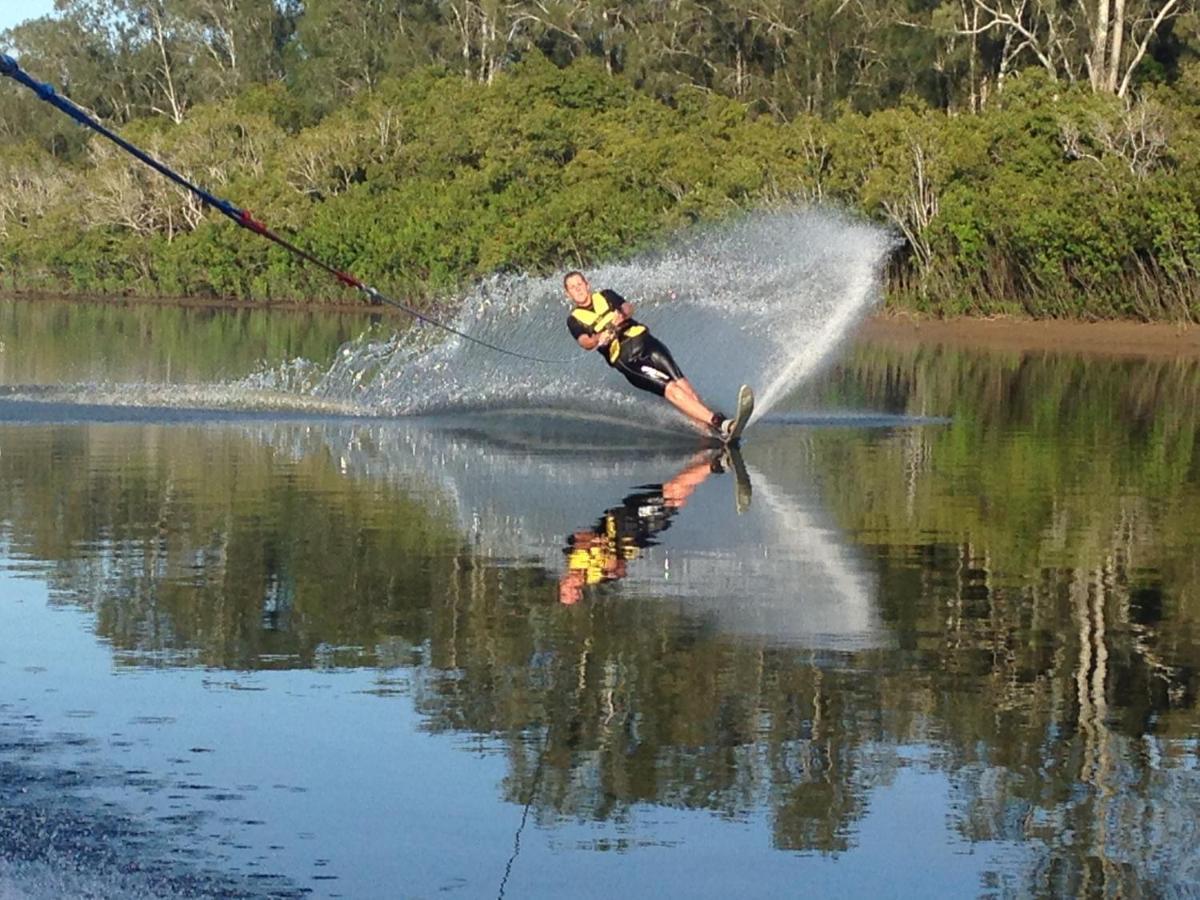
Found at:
[590, 561]
[599, 317]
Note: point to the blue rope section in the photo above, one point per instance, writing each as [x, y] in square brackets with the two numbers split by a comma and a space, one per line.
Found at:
[9, 67]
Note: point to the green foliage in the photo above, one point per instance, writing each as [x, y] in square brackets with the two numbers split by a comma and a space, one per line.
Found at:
[1051, 202]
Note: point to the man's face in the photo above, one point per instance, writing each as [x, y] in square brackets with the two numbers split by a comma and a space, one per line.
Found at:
[578, 290]
[570, 588]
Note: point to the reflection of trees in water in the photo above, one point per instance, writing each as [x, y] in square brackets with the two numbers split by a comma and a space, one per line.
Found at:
[625, 703]
[1043, 604]
[192, 544]
[1059, 713]
[48, 342]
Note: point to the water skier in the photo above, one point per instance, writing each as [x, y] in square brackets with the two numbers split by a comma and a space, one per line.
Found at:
[603, 321]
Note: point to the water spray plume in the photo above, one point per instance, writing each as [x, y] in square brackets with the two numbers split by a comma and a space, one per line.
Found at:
[764, 301]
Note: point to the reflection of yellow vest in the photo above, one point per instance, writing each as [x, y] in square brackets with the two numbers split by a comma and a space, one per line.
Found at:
[590, 561]
[599, 317]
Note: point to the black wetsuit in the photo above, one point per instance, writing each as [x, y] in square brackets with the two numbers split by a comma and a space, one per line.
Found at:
[620, 535]
[639, 518]
[644, 360]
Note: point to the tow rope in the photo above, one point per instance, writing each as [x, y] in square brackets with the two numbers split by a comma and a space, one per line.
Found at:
[10, 68]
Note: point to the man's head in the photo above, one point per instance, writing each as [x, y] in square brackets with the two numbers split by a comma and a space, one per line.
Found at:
[570, 587]
[577, 288]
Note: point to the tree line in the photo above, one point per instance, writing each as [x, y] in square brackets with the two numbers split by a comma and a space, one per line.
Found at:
[1031, 156]
[129, 58]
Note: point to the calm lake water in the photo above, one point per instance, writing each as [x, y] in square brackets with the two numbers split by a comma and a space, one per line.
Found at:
[937, 633]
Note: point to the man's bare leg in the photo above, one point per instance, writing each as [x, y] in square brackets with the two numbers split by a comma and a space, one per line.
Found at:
[681, 395]
[678, 489]
[689, 390]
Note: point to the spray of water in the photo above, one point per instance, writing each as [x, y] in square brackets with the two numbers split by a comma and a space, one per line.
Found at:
[763, 301]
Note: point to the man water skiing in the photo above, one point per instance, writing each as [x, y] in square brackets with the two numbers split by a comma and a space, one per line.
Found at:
[603, 321]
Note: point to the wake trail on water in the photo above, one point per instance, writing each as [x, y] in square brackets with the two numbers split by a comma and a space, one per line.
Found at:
[763, 301]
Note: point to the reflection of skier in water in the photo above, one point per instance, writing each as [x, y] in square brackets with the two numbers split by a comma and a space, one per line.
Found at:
[600, 554]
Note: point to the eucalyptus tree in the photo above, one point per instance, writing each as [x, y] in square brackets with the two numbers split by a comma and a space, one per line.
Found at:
[1100, 42]
[86, 58]
[241, 41]
[122, 59]
[191, 51]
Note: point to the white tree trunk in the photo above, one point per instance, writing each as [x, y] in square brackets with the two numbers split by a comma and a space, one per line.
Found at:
[166, 80]
[1090, 36]
[1118, 38]
[1098, 58]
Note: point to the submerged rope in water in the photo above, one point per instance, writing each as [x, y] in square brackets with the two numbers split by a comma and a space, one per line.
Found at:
[45, 91]
[537, 780]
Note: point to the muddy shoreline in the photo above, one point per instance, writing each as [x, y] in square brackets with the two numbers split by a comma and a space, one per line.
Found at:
[1158, 340]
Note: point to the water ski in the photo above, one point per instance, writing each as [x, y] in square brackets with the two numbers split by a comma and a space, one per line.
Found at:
[741, 478]
[728, 458]
[745, 406]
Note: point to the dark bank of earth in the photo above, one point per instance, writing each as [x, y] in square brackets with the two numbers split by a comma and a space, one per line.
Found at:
[1113, 339]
